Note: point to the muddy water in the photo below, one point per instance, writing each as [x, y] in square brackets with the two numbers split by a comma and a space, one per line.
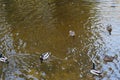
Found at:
[29, 28]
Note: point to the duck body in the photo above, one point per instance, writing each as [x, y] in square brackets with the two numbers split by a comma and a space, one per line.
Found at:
[3, 58]
[44, 56]
[108, 58]
[109, 29]
[94, 71]
[71, 33]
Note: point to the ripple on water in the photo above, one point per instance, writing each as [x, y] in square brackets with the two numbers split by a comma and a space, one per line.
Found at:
[40, 26]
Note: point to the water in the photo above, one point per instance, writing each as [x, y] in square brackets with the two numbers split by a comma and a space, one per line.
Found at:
[29, 28]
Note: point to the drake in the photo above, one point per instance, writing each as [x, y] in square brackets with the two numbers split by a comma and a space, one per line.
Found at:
[109, 29]
[108, 58]
[44, 56]
[94, 71]
[72, 33]
[3, 59]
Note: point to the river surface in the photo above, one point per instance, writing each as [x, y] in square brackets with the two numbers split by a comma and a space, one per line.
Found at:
[29, 28]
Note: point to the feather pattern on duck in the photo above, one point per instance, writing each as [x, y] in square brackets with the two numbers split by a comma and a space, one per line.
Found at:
[3, 59]
[44, 56]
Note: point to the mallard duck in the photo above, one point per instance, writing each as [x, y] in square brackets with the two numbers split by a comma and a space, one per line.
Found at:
[108, 58]
[3, 59]
[72, 33]
[109, 29]
[94, 71]
[44, 56]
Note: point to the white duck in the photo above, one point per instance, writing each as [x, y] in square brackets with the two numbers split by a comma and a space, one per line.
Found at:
[94, 71]
[44, 56]
[72, 33]
[3, 59]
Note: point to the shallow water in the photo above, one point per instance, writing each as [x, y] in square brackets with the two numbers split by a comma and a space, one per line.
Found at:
[29, 28]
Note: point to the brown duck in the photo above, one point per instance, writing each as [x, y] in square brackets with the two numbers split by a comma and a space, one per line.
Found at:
[108, 58]
[109, 29]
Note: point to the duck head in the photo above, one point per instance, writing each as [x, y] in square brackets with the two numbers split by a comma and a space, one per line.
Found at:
[41, 59]
[109, 29]
[1, 55]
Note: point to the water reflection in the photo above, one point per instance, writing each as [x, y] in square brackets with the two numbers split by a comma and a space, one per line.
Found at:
[30, 28]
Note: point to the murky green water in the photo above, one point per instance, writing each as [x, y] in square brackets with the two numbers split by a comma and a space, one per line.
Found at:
[29, 28]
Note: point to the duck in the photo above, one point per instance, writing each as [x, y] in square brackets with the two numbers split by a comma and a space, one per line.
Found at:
[108, 58]
[109, 29]
[94, 71]
[72, 33]
[44, 56]
[3, 59]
